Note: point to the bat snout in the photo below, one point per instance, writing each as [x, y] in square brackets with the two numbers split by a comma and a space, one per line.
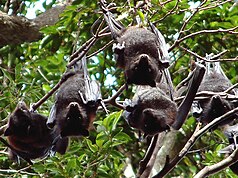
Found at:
[144, 60]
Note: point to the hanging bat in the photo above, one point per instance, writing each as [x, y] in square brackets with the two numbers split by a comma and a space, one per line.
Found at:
[214, 80]
[152, 110]
[138, 50]
[76, 103]
[28, 136]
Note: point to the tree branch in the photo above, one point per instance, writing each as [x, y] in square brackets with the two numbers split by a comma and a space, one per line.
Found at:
[147, 163]
[17, 30]
[178, 41]
[112, 100]
[209, 170]
[198, 133]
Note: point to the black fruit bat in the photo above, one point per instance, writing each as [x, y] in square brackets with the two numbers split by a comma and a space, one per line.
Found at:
[29, 137]
[138, 51]
[76, 103]
[231, 132]
[151, 111]
[214, 80]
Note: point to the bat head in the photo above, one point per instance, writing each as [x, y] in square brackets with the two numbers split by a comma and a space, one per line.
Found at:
[76, 122]
[142, 71]
[19, 122]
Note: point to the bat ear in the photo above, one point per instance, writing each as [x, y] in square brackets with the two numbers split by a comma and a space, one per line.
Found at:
[8, 132]
[164, 64]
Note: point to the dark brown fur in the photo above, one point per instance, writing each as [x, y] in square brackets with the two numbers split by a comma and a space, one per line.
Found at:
[71, 115]
[137, 53]
[152, 111]
[216, 106]
[29, 136]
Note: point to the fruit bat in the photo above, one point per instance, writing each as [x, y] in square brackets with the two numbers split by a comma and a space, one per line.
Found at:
[214, 80]
[29, 137]
[138, 50]
[76, 103]
[151, 109]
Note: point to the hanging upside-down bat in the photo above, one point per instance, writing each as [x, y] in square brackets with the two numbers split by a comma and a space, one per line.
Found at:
[29, 137]
[152, 110]
[214, 80]
[76, 103]
[137, 50]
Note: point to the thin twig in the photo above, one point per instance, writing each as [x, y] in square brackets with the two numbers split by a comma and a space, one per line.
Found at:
[191, 52]
[2, 129]
[231, 88]
[177, 42]
[101, 49]
[112, 100]
[169, 13]
[208, 94]
[209, 170]
[181, 31]
[219, 3]
[152, 158]
[51, 92]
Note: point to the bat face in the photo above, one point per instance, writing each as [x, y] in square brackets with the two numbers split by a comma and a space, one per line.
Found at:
[151, 111]
[74, 124]
[28, 135]
[137, 53]
[213, 108]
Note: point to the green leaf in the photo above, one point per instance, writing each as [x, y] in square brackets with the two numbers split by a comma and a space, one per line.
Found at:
[92, 147]
[6, 74]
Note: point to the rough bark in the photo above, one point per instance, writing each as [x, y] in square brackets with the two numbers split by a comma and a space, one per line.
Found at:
[17, 29]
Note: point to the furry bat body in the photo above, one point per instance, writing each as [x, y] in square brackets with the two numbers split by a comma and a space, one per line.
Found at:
[29, 137]
[137, 53]
[152, 111]
[76, 103]
[138, 50]
[216, 81]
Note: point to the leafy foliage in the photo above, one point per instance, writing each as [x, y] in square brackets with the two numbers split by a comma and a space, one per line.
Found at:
[28, 71]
